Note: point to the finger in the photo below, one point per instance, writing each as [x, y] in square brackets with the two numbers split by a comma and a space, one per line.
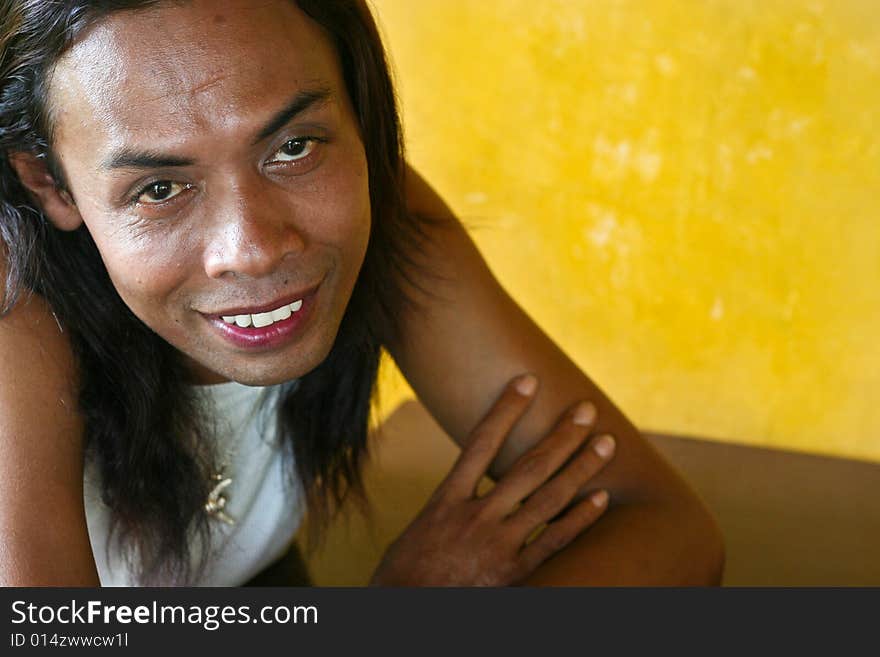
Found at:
[561, 532]
[488, 436]
[539, 463]
[552, 498]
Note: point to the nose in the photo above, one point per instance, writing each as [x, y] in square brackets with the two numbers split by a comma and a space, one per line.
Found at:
[253, 231]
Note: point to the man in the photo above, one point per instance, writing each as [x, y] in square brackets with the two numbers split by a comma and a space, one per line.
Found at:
[226, 174]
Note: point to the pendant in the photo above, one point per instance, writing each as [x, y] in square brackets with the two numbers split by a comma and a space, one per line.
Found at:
[217, 500]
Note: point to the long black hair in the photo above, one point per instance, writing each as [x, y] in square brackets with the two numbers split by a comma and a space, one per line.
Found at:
[142, 420]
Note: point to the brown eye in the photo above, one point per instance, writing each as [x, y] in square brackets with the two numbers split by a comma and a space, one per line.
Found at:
[294, 149]
[160, 191]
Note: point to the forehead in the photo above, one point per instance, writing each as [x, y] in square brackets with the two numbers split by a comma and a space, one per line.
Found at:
[204, 65]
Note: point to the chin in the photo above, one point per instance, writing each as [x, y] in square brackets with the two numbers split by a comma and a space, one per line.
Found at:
[277, 372]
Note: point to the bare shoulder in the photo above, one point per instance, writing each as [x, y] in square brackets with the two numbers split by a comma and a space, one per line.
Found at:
[36, 353]
[41, 453]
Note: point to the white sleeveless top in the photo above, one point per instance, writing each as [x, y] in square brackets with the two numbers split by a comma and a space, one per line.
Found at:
[266, 507]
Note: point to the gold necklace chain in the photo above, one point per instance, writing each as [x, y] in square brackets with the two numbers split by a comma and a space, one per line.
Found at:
[215, 505]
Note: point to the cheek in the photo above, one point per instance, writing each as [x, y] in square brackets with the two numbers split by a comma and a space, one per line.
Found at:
[145, 269]
[346, 199]
[147, 288]
[361, 210]
[357, 235]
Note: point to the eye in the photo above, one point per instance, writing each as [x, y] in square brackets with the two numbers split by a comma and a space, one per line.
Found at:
[295, 149]
[160, 192]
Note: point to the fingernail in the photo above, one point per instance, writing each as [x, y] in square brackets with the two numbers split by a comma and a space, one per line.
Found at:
[604, 446]
[584, 414]
[599, 498]
[527, 385]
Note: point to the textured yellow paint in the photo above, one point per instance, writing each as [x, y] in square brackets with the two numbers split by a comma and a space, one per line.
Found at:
[683, 193]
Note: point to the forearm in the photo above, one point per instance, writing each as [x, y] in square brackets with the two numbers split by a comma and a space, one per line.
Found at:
[641, 544]
[657, 531]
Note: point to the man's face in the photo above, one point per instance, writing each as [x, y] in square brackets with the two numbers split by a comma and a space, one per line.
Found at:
[213, 154]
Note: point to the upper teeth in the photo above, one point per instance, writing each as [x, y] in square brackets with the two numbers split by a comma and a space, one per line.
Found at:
[261, 320]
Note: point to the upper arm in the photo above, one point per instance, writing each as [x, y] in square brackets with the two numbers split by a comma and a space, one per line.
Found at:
[43, 533]
[470, 337]
[461, 346]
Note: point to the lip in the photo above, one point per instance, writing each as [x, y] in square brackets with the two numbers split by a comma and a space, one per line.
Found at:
[270, 337]
[272, 305]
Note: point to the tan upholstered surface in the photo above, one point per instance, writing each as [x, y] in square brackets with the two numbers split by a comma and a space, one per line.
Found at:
[788, 519]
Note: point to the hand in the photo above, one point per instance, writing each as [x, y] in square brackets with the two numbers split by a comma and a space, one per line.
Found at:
[459, 539]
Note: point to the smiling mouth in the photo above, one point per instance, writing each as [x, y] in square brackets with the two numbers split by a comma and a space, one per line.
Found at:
[261, 320]
[267, 314]
[269, 327]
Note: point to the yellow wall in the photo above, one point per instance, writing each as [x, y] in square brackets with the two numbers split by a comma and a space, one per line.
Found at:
[683, 193]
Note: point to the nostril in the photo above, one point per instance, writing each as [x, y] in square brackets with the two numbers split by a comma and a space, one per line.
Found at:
[251, 251]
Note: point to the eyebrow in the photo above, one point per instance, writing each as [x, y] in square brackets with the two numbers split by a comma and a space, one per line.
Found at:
[304, 100]
[131, 158]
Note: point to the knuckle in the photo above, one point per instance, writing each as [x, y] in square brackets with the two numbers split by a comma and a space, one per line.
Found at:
[557, 500]
[510, 573]
[480, 514]
[565, 437]
[587, 464]
[554, 541]
[483, 442]
[533, 463]
[547, 504]
[525, 567]
[504, 571]
[530, 515]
